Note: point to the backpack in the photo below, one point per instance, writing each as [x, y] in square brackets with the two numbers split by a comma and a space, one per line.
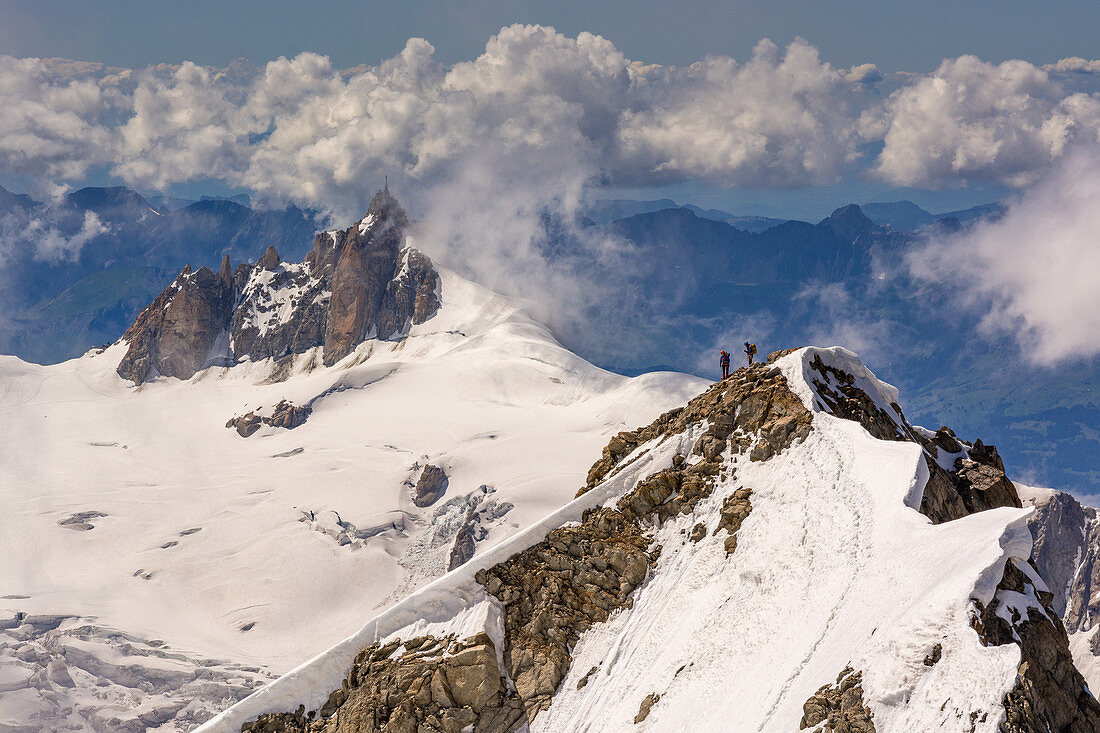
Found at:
[752, 349]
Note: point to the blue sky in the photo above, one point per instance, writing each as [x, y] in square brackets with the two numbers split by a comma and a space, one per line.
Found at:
[909, 36]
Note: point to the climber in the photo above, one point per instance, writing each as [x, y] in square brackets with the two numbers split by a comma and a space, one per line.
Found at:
[750, 351]
[724, 361]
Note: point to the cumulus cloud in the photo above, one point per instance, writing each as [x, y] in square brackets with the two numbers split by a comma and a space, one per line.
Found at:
[51, 245]
[1074, 65]
[50, 129]
[779, 120]
[864, 74]
[301, 130]
[1033, 272]
[971, 120]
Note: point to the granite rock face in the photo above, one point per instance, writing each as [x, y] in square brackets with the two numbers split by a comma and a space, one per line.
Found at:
[376, 285]
[1065, 551]
[355, 284]
[174, 335]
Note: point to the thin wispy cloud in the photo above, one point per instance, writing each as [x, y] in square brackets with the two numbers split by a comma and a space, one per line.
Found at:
[1033, 273]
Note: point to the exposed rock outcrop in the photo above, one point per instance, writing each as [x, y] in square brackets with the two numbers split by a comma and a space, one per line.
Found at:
[270, 260]
[753, 409]
[1050, 693]
[289, 415]
[285, 415]
[839, 707]
[411, 295]
[430, 487]
[282, 310]
[377, 288]
[735, 509]
[976, 480]
[423, 684]
[555, 591]
[245, 425]
[355, 284]
[647, 704]
[174, 335]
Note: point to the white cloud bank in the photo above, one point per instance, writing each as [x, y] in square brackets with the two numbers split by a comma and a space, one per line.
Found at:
[972, 120]
[1035, 271]
[548, 106]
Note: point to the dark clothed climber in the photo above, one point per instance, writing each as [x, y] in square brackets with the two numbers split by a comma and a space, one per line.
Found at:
[724, 361]
[750, 351]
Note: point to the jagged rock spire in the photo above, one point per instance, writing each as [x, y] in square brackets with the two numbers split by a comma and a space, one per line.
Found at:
[357, 283]
[270, 259]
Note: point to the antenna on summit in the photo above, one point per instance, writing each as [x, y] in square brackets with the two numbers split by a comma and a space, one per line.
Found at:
[386, 188]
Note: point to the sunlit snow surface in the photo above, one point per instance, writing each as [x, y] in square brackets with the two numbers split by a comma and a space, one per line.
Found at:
[833, 568]
[202, 545]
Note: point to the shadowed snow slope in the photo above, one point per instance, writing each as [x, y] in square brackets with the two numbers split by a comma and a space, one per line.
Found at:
[769, 576]
[134, 511]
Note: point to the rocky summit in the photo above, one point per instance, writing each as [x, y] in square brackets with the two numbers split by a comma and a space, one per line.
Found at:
[358, 283]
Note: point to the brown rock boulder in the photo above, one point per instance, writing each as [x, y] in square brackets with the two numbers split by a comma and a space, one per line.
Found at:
[245, 425]
[423, 684]
[839, 707]
[430, 487]
[289, 415]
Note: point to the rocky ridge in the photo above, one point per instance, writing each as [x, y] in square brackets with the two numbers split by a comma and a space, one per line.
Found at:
[581, 573]
[578, 576]
[357, 283]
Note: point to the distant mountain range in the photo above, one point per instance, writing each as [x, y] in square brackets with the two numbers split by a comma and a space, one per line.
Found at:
[902, 216]
[700, 284]
[85, 290]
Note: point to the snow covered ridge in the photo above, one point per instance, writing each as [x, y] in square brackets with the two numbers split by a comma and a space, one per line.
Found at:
[786, 547]
[359, 283]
